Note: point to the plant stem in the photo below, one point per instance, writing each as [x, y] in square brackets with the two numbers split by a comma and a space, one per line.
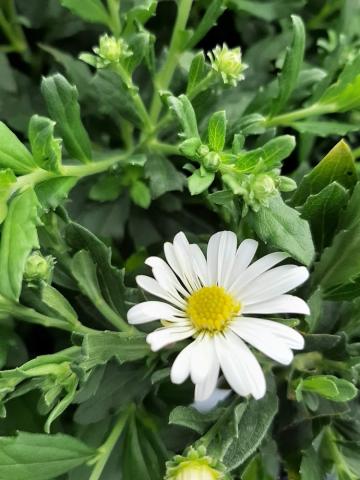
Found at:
[336, 455]
[114, 12]
[166, 148]
[166, 73]
[108, 446]
[115, 319]
[288, 118]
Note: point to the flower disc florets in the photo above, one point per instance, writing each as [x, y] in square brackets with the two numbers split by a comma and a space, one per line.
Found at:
[227, 62]
[112, 50]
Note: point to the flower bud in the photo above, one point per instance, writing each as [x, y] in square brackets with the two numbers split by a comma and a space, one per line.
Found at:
[38, 268]
[263, 186]
[286, 184]
[211, 162]
[203, 150]
[196, 465]
[111, 49]
[227, 62]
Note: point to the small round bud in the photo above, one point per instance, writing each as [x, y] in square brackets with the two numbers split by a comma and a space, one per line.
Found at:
[203, 150]
[111, 49]
[227, 62]
[211, 162]
[286, 184]
[195, 466]
[38, 268]
[263, 186]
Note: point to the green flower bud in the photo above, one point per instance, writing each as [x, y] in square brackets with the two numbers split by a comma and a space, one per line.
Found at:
[211, 162]
[195, 466]
[190, 147]
[38, 268]
[203, 150]
[112, 50]
[227, 62]
[286, 184]
[263, 186]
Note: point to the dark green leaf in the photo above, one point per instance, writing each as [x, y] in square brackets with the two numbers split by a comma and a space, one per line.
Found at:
[208, 21]
[62, 103]
[282, 227]
[163, 176]
[323, 128]
[89, 10]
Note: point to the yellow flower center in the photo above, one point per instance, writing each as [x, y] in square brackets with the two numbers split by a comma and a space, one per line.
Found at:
[211, 308]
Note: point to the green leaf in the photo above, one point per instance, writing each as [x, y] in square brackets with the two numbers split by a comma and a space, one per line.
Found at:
[163, 176]
[184, 111]
[344, 95]
[323, 128]
[140, 194]
[337, 166]
[217, 131]
[139, 44]
[51, 193]
[45, 456]
[13, 154]
[199, 182]
[89, 10]
[282, 227]
[328, 386]
[292, 65]
[310, 468]
[323, 211]
[45, 148]
[340, 263]
[99, 348]
[19, 237]
[62, 103]
[7, 180]
[252, 427]
[271, 154]
[191, 418]
[269, 10]
[197, 71]
[208, 21]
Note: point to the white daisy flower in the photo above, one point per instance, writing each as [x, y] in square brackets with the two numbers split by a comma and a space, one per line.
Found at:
[213, 300]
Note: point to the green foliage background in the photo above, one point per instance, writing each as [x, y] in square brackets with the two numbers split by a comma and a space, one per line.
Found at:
[100, 165]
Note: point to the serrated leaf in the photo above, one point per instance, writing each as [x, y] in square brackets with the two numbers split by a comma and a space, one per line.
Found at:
[191, 418]
[184, 111]
[323, 212]
[337, 166]
[163, 176]
[217, 131]
[89, 10]
[13, 154]
[62, 103]
[19, 237]
[292, 65]
[282, 227]
[53, 192]
[198, 182]
[45, 456]
[45, 148]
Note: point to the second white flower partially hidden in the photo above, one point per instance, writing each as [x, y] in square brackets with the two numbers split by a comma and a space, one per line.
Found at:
[210, 299]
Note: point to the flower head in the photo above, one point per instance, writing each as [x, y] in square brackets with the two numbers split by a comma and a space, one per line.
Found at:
[38, 268]
[227, 62]
[111, 50]
[213, 299]
[196, 465]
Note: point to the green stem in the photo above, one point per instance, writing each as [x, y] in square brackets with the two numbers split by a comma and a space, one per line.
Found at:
[165, 148]
[114, 12]
[107, 447]
[337, 457]
[116, 320]
[288, 118]
[166, 73]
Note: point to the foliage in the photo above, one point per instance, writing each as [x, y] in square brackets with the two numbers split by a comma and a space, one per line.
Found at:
[121, 123]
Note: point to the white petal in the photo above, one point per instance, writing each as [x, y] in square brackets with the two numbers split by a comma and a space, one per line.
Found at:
[291, 337]
[212, 257]
[183, 254]
[180, 369]
[149, 311]
[211, 401]
[164, 336]
[281, 304]
[273, 283]
[205, 389]
[256, 269]
[226, 256]
[202, 358]
[165, 276]
[244, 255]
[239, 365]
[200, 265]
[269, 344]
[150, 285]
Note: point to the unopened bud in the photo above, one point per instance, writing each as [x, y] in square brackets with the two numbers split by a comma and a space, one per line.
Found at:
[38, 268]
[227, 62]
[211, 162]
